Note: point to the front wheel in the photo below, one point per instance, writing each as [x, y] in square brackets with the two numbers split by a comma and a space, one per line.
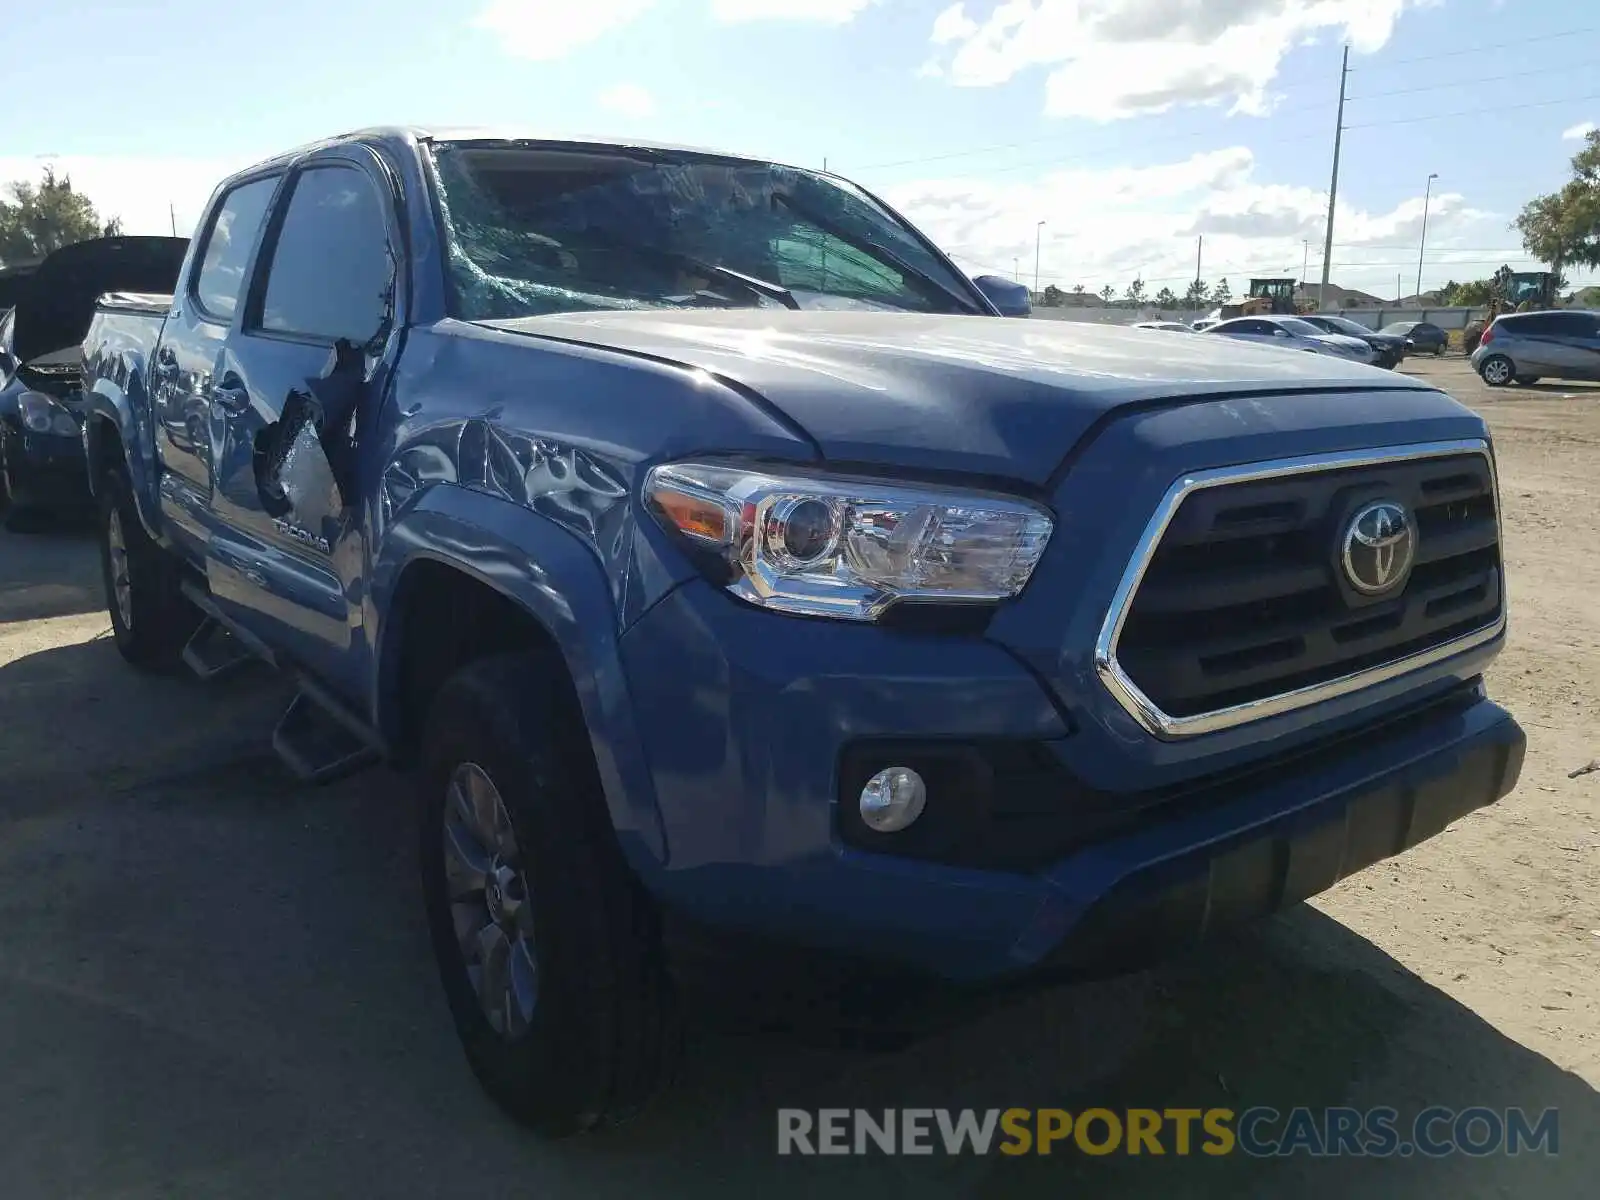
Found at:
[151, 619]
[1497, 370]
[548, 948]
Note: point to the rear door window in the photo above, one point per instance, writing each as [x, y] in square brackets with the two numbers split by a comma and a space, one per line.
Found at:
[1573, 325]
[1531, 325]
[228, 244]
[331, 270]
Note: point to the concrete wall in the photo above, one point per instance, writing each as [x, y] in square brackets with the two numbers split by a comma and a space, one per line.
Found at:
[1372, 318]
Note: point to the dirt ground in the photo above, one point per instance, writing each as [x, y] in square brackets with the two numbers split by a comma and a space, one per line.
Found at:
[213, 982]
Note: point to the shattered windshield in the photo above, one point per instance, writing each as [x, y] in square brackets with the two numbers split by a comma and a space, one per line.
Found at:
[541, 229]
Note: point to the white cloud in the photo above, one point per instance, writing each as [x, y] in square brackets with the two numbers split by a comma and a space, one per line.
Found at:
[1119, 58]
[1109, 226]
[1578, 132]
[826, 12]
[953, 25]
[549, 29]
[137, 190]
[628, 99]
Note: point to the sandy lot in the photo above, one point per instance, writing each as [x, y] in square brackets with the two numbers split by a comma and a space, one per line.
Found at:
[215, 983]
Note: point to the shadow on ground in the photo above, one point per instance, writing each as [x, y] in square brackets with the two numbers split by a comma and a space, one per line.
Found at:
[213, 982]
[52, 573]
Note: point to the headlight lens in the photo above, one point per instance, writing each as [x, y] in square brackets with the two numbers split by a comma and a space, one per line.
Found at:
[850, 548]
[43, 414]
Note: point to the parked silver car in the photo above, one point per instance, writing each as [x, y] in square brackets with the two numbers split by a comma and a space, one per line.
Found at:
[1174, 326]
[1528, 347]
[1293, 334]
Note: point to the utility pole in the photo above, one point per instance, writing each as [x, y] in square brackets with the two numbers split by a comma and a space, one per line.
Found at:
[172, 212]
[1333, 186]
[1016, 268]
[1422, 244]
[1199, 250]
[1038, 235]
[1305, 259]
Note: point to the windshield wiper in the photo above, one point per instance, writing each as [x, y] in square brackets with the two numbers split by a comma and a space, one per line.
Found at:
[880, 252]
[762, 287]
[750, 283]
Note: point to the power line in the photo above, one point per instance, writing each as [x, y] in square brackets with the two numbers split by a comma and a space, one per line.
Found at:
[1478, 49]
[1455, 83]
[1468, 81]
[1470, 112]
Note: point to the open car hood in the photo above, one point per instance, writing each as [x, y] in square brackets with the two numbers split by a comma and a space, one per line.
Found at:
[56, 305]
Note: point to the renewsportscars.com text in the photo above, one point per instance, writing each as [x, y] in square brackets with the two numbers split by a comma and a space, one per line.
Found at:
[1261, 1132]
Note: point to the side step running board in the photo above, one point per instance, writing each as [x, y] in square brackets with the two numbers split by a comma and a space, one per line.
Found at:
[214, 651]
[320, 740]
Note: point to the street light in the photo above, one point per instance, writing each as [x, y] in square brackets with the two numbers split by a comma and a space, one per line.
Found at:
[1038, 235]
[1423, 244]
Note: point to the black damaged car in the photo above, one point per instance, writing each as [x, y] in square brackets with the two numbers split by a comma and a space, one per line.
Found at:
[42, 469]
[1388, 350]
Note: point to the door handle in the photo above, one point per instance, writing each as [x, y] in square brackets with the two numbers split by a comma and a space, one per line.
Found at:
[230, 398]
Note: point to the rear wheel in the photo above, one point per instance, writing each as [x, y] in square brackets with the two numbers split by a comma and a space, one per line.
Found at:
[548, 949]
[1497, 370]
[151, 619]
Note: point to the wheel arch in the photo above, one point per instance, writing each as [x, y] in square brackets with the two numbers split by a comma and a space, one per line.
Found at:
[463, 575]
[110, 439]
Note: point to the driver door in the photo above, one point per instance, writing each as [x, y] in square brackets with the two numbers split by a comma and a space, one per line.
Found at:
[286, 558]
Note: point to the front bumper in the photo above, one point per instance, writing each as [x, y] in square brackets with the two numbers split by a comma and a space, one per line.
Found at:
[46, 471]
[747, 716]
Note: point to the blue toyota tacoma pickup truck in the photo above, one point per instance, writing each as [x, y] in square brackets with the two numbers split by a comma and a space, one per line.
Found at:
[712, 550]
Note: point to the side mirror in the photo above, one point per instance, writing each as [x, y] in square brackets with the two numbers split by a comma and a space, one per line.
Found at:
[1012, 299]
[1283, 333]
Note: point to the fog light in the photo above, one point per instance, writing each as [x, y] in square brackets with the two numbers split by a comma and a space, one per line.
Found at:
[893, 799]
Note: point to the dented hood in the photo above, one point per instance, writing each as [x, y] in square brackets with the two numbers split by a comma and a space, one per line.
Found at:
[988, 395]
[55, 307]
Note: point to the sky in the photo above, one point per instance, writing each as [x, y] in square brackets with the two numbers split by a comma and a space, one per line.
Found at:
[1132, 129]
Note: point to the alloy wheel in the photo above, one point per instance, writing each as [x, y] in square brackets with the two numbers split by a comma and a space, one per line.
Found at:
[121, 584]
[490, 905]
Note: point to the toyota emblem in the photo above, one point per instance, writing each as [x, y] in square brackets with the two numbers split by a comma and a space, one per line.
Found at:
[1380, 544]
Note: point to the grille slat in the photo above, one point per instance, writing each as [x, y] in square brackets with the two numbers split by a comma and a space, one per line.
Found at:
[1245, 597]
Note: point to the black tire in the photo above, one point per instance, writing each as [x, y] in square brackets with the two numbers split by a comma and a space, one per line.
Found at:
[602, 1036]
[1497, 370]
[159, 619]
[1527, 380]
[1438, 351]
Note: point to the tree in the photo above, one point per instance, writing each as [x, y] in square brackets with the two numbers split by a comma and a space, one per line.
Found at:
[1077, 289]
[47, 216]
[1563, 228]
[1052, 296]
[1134, 296]
[1466, 295]
[1223, 294]
[1166, 299]
[1108, 293]
[1195, 297]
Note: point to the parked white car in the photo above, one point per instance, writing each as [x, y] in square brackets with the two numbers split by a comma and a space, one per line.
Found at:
[1174, 326]
[1293, 334]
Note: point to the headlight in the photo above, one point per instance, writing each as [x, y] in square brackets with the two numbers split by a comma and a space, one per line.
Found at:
[849, 548]
[42, 414]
